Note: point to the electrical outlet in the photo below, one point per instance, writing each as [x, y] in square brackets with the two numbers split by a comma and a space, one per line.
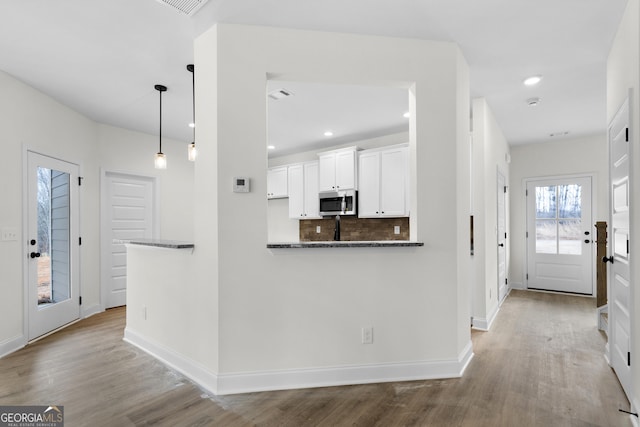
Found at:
[367, 335]
[9, 234]
[318, 229]
[396, 229]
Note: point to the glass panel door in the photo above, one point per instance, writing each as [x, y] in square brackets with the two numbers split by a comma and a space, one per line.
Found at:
[53, 279]
[53, 235]
[559, 249]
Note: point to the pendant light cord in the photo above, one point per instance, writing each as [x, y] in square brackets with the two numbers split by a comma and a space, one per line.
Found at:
[192, 69]
[160, 122]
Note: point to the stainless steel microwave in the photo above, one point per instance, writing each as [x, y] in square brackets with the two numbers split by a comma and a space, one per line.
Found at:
[343, 202]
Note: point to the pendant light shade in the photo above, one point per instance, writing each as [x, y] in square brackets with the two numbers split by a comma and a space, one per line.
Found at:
[191, 149]
[160, 159]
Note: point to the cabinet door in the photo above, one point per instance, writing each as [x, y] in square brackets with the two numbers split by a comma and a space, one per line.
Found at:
[327, 172]
[277, 182]
[311, 199]
[296, 192]
[369, 180]
[346, 170]
[393, 170]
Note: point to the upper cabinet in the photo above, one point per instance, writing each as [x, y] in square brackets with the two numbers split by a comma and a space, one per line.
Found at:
[303, 191]
[383, 182]
[277, 182]
[337, 170]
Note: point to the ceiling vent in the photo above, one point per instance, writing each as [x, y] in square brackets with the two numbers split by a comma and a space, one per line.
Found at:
[187, 7]
[280, 93]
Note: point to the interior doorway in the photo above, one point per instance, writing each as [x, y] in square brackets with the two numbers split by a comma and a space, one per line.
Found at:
[52, 230]
[128, 213]
[559, 235]
[620, 289]
[502, 237]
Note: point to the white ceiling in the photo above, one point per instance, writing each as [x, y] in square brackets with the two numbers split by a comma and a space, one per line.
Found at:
[103, 57]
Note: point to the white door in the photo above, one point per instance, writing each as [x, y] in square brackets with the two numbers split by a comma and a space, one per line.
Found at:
[129, 214]
[618, 237]
[53, 282]
[559, 246]
[502, 237]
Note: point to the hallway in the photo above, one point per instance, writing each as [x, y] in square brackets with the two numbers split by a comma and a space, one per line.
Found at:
[541, 364]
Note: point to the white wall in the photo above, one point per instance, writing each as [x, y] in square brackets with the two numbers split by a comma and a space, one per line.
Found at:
[130, 152]
[574, 156]
[29, 119]
[623, 73]
[272, 318]
[489, 156]
[32, 120]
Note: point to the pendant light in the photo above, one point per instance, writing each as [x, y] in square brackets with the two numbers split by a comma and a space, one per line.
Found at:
[161, 159]
[191, 149]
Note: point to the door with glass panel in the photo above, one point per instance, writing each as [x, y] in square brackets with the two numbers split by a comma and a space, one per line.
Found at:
[52, 244]
[559, 240]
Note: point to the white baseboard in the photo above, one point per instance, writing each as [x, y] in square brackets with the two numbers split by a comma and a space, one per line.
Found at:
[635, 405]
[186, 366]
[10, 345]
[344, 375]
[221, 384]
[517, 285]
[483, 324]
[91, 310]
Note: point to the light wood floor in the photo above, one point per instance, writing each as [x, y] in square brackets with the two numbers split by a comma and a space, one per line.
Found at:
[541, 364]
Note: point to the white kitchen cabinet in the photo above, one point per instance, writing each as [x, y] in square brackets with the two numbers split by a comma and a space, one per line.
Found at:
[303, 191]
[277, 182]
[337, 170]
[383, 182]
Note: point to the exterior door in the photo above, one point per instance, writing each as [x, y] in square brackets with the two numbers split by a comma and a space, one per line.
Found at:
[502, 238]
[129, 214]
[559, 241]
[53, 290]
[620, 308]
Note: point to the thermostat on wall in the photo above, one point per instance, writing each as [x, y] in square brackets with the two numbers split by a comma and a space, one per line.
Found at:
[241, 184]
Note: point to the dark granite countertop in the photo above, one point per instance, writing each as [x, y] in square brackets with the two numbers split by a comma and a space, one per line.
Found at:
[346, 244]
[157, 243]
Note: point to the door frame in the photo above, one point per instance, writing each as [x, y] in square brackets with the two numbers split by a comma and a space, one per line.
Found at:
[626, 104]
[26, 149]
[104, 227]
[525, 183]
[502, 192]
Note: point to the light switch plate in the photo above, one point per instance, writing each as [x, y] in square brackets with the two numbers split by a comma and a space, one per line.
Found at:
[9, 234]
[396, 229]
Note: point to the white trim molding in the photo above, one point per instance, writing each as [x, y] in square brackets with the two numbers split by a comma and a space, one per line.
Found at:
[483, 324]
[248, 382]
[10, 345]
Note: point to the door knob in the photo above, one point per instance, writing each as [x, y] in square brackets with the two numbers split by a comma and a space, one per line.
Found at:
[32, 242]
[35, 255]
[501, 245]
[587, 241]
[586, 233]
[607, 259]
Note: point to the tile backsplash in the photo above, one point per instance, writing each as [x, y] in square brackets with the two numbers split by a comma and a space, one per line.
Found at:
[354, 229]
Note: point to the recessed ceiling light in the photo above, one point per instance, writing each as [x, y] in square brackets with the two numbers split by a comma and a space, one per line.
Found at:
[328, 133]
[533, 102]
[532, 81]
[271, 147]
[406, 115]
